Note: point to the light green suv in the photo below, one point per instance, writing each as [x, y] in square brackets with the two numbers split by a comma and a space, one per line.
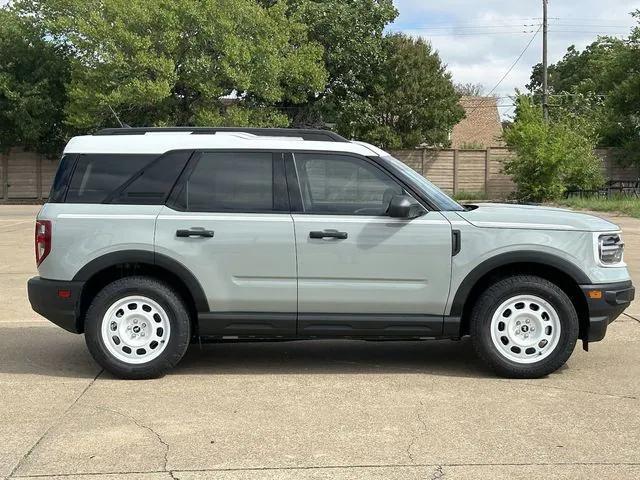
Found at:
[155, 238]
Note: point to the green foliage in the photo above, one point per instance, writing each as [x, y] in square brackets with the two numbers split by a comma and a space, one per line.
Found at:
[33, 73]
[602, 82]
[64, 64]
[475, 145]
[470, 196]
[160, 62]
[352, 35]
[622, 204]
[412, 99]
[551, 158]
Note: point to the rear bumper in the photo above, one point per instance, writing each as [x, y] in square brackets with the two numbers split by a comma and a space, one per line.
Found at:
[605, 306]
[57, 301]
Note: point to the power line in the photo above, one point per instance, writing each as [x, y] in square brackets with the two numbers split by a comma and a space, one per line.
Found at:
[533, 37]
[516, 61]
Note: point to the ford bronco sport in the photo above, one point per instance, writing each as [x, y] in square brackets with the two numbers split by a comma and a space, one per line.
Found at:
[154, 238]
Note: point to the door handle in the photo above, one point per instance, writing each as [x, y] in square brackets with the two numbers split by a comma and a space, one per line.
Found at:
[194, 232]
[328, 234]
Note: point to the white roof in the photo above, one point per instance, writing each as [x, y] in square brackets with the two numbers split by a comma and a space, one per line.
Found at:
[161, 142]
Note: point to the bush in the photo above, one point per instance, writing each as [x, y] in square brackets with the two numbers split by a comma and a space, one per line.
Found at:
[551, 158]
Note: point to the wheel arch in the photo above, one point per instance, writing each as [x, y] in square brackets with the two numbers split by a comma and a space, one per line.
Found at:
[557, 270]
[103, 270]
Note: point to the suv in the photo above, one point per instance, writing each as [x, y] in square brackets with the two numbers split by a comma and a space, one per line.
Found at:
[155, 238]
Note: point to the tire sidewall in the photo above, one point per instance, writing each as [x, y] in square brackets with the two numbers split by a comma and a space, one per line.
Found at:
[178, 320]
[503, 291]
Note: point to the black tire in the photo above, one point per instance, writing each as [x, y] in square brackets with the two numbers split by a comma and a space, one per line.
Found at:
[499, 292]
[163, 295]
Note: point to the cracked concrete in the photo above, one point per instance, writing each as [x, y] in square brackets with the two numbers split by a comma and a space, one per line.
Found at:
[315, 410]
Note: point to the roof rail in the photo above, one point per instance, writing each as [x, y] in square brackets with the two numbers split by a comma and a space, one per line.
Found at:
[304, 133]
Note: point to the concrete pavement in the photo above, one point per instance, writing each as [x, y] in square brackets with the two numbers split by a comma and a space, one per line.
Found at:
[307, 410]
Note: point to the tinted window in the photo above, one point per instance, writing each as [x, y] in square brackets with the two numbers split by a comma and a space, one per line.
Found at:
[97, 176]
[334, 184]
[153, 184]
[230, 182]
[61, 180]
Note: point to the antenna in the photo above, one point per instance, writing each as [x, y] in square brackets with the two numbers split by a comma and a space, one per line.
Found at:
[122, 125]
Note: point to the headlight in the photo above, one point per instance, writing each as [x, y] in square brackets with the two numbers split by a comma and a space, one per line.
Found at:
[610, 248]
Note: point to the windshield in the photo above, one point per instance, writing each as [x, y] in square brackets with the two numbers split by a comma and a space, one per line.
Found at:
[428, 189]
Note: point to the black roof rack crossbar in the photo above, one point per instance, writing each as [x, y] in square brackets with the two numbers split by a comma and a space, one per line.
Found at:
[304, 133]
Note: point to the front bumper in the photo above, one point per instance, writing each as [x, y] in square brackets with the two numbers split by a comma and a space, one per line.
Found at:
[58, 301]
[605, 303]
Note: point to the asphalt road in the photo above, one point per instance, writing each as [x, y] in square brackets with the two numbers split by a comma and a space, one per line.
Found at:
[307, 410]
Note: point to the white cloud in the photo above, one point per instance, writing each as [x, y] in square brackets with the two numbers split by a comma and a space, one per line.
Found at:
[480, 40]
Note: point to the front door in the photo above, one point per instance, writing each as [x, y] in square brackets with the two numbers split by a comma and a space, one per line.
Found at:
[361, 272]
[228, 222]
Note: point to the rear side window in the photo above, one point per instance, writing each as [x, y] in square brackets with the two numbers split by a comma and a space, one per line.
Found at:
[233, 182]
[97, 176]
[61, 180]
[153, 184]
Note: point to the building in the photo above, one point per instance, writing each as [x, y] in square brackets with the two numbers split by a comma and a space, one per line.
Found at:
[481, 128]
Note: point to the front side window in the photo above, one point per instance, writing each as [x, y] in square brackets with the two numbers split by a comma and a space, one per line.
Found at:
[343, 185]
[231, 182]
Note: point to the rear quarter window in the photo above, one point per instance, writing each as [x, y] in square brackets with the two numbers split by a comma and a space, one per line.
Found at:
[96, 176]
[61, 180]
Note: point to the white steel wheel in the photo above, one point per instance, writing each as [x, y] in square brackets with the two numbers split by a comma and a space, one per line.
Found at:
[135, 329]
[525, 329]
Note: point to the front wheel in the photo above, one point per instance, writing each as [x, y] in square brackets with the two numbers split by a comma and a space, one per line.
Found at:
[524, 327]
[137, 327]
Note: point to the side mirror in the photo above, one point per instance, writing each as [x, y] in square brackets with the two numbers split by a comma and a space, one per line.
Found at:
[403, 206]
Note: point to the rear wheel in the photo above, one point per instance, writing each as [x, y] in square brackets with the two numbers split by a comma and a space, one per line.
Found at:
[137, 327]
[524, 327]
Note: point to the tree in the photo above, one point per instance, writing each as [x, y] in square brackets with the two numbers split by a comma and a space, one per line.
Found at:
[158, 62]
[602, 82]
[33, 73]
[470, 89]
[412, 99]
[352, 35]
[551, 157]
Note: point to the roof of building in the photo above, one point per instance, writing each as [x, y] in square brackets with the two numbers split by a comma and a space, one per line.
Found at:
[158, 141]
[481, 128]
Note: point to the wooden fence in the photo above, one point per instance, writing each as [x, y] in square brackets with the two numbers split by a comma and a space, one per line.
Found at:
[27, 176]
[480, 171]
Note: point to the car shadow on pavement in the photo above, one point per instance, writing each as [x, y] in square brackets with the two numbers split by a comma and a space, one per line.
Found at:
[441, 357]
[47, 351]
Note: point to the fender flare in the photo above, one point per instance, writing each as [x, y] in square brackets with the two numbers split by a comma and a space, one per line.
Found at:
[504, 259]
[150, 258]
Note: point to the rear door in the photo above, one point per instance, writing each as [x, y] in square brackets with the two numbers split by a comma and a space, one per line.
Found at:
[361, 272]
[228, 222]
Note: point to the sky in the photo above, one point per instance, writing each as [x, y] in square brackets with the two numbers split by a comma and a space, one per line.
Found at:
[480, 40]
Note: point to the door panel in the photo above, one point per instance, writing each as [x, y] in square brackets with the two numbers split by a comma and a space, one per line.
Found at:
[247, 266]
[384, 266]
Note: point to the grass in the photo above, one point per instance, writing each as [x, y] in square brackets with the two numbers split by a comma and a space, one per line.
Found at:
[626, 205]
[462, 195]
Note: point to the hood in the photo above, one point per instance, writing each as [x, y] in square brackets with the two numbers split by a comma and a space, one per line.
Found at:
[503, 215]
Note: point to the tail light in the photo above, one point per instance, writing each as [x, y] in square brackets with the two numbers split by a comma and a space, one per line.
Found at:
[43, 240]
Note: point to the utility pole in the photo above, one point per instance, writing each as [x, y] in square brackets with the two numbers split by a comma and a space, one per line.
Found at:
[545, 73]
